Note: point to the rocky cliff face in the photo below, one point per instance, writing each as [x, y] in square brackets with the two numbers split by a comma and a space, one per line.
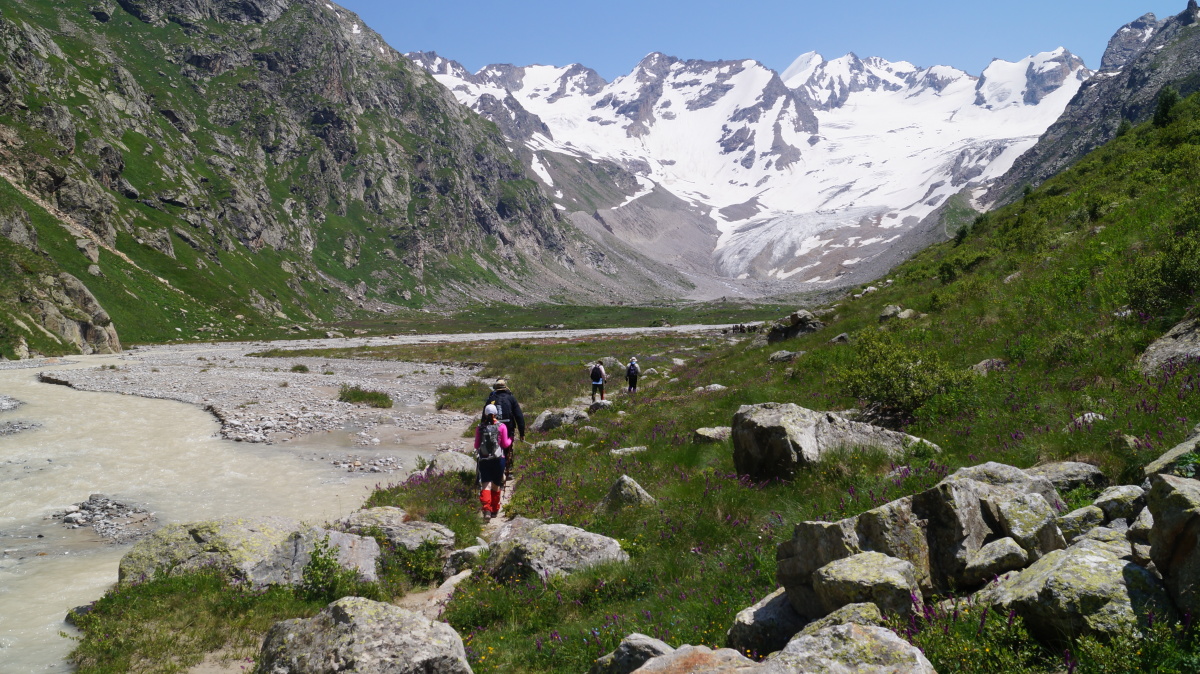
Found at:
[1143, 57]
[272, 158]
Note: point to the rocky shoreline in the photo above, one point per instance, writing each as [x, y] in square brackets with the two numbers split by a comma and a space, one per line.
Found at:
[272, 400]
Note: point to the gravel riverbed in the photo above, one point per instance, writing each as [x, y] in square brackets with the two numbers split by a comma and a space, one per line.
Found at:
[262, 400]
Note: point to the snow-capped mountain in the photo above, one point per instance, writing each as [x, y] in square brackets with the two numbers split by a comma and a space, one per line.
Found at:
[804, 174]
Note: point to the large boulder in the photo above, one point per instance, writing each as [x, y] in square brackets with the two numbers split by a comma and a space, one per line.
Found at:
[1031, 523]
[551, 550]
[514, 528]
[1001, 475]
[450, 462]
[364, 637]
[399, 533]
[549, 420]
[1181, 343]
[887, 582]
[1067, 475]
[1123, 502]
[1174, 502]
[797, 323]
[849, 649]
[625, 493]
[259, 551]
[1090, 588]
[774, 440]
[765, 627]
[865, 613]
[633, 652]
[700, 660]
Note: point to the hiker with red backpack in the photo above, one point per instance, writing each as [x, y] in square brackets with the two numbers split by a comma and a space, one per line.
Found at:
[491, 439]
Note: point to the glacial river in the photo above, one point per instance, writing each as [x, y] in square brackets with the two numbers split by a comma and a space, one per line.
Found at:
[163, 455]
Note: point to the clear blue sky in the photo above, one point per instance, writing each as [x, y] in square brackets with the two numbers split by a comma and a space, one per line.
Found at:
[611, 36]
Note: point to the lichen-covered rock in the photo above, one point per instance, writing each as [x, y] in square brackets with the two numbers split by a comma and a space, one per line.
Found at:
[1067, 475]
[774, 440]
[849, 649]
[626, 493]
[383, 516]
[1122, 502]
[1175, 538]
[633, 652]
[552, 550]
[411, 535]
[703, 436]
[994, 559]
[517, 526]
[599, 406]
[260, 551]
[865, 613]
[797, 323]
[700, 660]
[364, 637]
[1031, 522]
[1169, 461]
[873, 577]
[450, 462]
[549, 420]
[1090, 588]
[1001, 475]
[1078, 522]
[783, 356]
[626, 451]
[765, 627]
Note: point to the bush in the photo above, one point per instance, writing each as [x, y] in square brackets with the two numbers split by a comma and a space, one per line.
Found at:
[357, 394]
[299, 367]
[324, 578]
[1164, 281]
[896, 377]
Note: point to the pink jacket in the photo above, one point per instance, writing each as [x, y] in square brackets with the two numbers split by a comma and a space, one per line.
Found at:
[505, 441]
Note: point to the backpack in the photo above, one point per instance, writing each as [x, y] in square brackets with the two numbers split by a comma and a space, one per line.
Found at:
[489, 442]
[631, 372]
[597, 374]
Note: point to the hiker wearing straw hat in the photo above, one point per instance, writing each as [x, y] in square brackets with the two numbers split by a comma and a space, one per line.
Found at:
[511, 416]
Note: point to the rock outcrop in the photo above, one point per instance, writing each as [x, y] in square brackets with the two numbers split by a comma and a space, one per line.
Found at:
[551, 550]
[549, 420]
[774, 440]
[850, 648]
[259, 551]
[1174, 503]
[797, 323]
[1067, 475]
[625, 493]
[364, 637]
[1181, 344]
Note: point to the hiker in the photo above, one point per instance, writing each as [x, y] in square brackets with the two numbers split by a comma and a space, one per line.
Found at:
[511, 417]
[491, 437]
[598, 378]
[631, 374]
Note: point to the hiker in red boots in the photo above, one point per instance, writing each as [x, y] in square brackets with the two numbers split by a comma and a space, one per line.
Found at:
[491, 439]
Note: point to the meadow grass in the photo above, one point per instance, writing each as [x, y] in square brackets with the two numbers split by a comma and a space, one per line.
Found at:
[357, 394]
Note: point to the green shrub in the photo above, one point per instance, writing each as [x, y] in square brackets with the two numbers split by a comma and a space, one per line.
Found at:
[1164, 281]
[898, 377]
[299, 367]
[1068, 346]
[324, 578]
[357, 394]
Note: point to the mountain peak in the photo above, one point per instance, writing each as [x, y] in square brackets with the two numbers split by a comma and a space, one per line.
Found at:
[1129, 41]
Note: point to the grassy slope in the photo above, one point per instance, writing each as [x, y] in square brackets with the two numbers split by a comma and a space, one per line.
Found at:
[706, 550]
